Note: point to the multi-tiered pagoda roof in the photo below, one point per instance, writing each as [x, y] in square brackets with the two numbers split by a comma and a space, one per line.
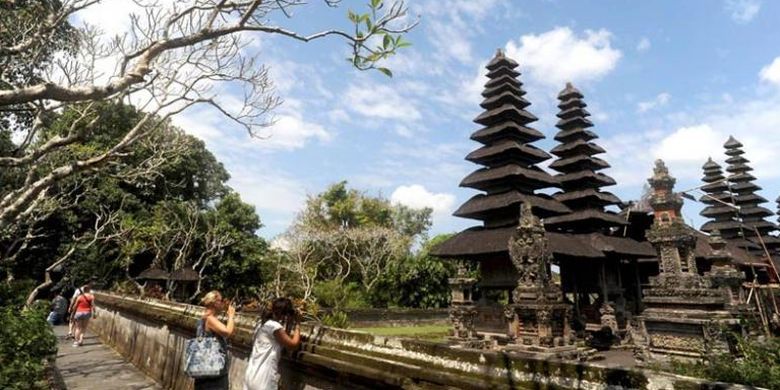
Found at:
[755, 227]
[718, 201]
[778, 208]
[509, 174]
[578, 167]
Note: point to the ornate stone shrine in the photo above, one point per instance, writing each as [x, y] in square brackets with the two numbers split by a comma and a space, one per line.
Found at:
[539, 319]
[462, 310]
[685, 312]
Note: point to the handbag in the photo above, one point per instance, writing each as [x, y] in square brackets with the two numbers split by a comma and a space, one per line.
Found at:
[204, 356]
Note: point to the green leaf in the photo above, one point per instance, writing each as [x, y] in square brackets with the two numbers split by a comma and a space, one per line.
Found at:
[386, 71]
[386, 41]
[352, 16]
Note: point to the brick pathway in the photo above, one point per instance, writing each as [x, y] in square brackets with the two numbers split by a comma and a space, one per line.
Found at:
[95, 366]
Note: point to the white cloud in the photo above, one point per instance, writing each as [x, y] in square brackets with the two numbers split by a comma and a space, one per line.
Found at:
[338, 115]
[643, 45]
[742, 11]
[416, 196]
[381, 101]
[656, 102]
[696, 136]
[201, 123]
[276, 196]
[291, 132]
[112, 17]
[692, 144]
[771, 72]
[559, 55]
[450, 28]
[404, 131]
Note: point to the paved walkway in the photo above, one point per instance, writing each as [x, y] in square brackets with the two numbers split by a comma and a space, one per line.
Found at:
[95, 366]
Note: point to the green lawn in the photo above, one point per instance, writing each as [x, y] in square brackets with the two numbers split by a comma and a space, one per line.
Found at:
[428, 332]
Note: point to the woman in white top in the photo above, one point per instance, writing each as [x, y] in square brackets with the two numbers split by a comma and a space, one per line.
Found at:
[262, 372]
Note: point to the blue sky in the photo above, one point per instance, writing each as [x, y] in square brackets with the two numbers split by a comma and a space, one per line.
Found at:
[665, 79]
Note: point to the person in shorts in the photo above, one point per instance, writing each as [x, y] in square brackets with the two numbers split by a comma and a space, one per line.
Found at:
[82, 308]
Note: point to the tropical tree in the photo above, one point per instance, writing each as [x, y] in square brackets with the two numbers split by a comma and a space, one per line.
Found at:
[166, 203]
[175, 56]
[345, 241]
[419, 280]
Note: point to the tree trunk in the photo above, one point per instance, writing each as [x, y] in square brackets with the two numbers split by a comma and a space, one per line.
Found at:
[47, 279]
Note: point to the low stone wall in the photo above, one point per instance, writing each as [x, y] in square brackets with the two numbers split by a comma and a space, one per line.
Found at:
[151, 335]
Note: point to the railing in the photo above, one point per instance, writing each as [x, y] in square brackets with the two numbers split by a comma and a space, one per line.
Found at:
[151, 335]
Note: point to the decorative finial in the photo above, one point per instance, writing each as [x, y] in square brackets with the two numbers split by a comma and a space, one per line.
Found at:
[569, 85]
[710, 164]
[660, 168]
[732, 143]
[499, 52]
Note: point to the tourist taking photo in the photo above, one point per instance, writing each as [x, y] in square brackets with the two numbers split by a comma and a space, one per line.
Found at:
[278, 327]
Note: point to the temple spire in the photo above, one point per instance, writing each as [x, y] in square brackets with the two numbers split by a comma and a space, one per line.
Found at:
[718, 198]
[510, 175]
[578, 168]
[751, 214]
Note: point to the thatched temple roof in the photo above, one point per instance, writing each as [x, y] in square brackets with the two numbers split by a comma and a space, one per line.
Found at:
[478, 241]
[153, 273]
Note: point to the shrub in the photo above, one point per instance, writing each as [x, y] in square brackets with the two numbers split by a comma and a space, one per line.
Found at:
[757, 364]
[26, 339]
[337, 295]
[14, 294]
[336, 319]
[419, 281]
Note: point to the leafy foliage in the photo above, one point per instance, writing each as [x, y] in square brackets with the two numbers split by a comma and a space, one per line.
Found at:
[337, 295]
[336, 319]
[27, 69]
[345, 243]
[419, 280]
[26, 339]
[386, 43]
[340, 207]
[172, 209]
[757, 364]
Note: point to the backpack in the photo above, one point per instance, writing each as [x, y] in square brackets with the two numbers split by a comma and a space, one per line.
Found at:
[205, 356]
